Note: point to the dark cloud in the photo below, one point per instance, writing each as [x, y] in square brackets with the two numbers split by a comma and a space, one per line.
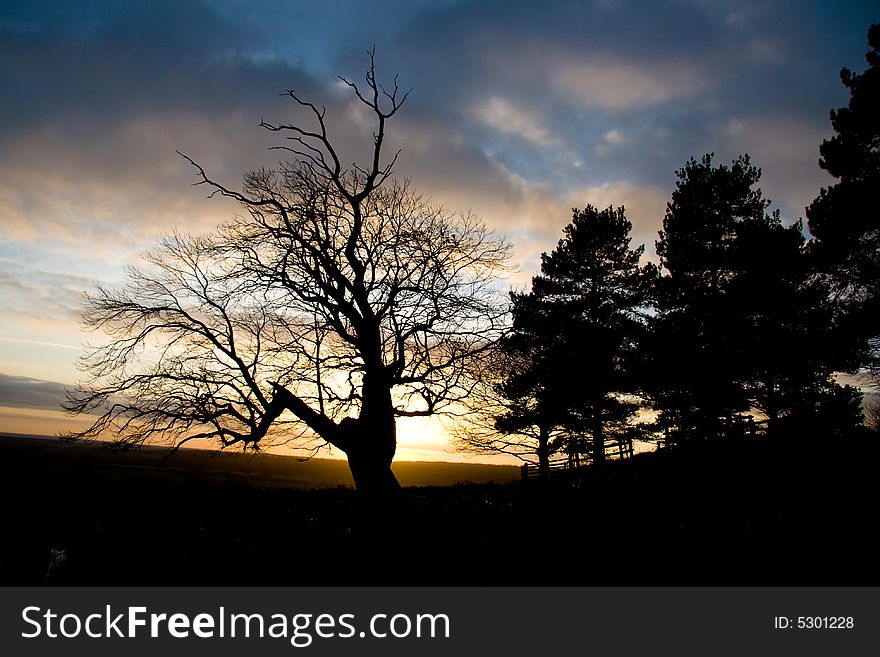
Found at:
[24, 392]
[97, 98]
[670, 76]
[104, 62]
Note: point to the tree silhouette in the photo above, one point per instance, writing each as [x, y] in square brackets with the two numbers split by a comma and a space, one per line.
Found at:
[595, 281]
[521, 405]
[742, 323]
[695, 344]
[844, 218]
[341, 301]
[572, 338]
[787, 348]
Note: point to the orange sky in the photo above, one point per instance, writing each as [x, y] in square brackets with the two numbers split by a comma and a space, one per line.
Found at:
[419, 439]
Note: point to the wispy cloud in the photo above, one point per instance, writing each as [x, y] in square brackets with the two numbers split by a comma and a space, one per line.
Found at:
[25, 392]
[507, 117]
[41, 343]
[40, 293]
[611, 85]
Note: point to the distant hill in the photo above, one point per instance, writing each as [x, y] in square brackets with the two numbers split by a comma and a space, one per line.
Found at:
[261, 470]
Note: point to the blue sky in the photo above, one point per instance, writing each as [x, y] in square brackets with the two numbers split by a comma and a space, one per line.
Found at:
[519, 112]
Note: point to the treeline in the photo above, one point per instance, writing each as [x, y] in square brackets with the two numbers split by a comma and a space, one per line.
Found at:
[741, 329]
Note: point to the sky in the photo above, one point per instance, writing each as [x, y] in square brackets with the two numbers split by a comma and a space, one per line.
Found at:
[519, 112]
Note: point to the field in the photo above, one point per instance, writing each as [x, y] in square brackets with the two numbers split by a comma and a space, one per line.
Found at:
[213, 467]
[744, 513]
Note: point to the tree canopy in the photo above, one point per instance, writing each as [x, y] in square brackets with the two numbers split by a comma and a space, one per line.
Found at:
[565, 361]
[696, 338]
[844, 218]
[742, 323]
[340, 300]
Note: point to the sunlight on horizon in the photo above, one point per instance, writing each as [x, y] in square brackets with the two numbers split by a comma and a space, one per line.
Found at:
[419, 439]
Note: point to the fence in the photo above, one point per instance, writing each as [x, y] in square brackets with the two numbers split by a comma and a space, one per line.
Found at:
[559, 466]
[532, 471]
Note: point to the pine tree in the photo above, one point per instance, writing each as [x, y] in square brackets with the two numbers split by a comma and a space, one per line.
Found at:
[591, 295]
[563, 376]
[697, 339]
[845, 218]
[742, 324]
[537, 379]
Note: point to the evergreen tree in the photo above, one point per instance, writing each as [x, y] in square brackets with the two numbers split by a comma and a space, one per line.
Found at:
[741, 324]
[566, 365]
[786, 347]
[538, 377]
[592, 293]
[845, 219]
[698, 373]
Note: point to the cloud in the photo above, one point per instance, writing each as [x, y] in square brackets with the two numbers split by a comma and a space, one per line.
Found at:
[120, 183]
[25, 392]
[614, 85]
[41, 294]
[787, 151]
[107, 60]
[645, 206]
[101, 94]
[614, 137]
[504, 116]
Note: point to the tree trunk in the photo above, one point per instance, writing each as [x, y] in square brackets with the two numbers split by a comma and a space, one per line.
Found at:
[772, 407]
[380, 524]
[372, 441]
[543, 452]
[598, 434]
[372, 475]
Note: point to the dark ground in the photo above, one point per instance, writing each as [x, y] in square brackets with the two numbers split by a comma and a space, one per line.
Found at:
[759, 512]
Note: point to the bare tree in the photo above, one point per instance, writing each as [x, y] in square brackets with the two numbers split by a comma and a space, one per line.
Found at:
[341, 301]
